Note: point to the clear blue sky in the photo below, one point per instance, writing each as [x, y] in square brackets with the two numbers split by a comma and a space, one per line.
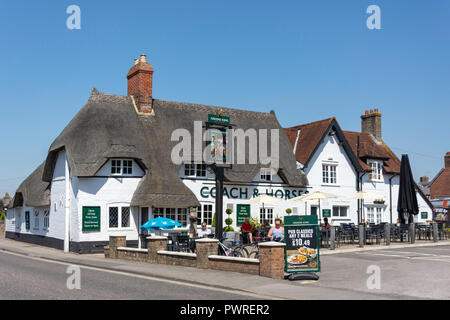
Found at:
[307, 60]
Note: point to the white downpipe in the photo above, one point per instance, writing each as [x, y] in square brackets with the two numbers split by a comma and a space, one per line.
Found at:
[67, 207]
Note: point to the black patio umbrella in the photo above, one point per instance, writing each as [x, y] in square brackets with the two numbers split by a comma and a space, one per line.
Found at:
[407, 199]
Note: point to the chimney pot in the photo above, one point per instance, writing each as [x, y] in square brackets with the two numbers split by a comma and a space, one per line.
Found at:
[143, 58]
[136, 61]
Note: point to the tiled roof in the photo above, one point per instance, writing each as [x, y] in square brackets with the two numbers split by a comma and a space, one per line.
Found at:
[370, 148]
[312, 133]
[440, 187]
[309, 138]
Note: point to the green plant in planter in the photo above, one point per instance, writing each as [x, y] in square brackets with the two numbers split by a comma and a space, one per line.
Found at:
[288, 210]
[228, 229]
[214, 221]
[228, 221]
[228, 211]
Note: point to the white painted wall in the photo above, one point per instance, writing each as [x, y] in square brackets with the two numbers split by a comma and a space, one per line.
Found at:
[329, 151]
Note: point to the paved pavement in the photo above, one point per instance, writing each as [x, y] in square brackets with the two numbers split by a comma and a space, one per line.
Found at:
[343, 276]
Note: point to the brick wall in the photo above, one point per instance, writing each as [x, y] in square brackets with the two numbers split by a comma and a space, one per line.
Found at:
[270, 263]
[242, 265]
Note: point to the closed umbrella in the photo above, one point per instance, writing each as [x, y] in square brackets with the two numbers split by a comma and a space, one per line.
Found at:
[407, 205]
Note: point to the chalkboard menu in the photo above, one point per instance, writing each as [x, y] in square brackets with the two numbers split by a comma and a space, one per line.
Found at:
[91, 219]
[302, 244]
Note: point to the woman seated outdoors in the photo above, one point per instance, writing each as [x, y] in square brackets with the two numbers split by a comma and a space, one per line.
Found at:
[276, 233]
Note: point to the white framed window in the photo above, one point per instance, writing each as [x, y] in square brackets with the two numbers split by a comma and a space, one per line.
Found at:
[266, 174]
[177, 214]
[379, 215]
[36, 219]
[121, 167]
[195, 170]
[314, 210]
[329, 175]
[340, 211]
[266, 214]
[119, 217]
[377, 170]
[205, 214]
[46, 219]
[374, 215]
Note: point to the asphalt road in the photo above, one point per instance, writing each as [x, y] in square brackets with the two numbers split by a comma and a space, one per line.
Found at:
[409, 273]
[32, 278]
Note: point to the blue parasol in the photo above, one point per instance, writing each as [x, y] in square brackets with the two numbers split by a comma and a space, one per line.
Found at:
[160, 223]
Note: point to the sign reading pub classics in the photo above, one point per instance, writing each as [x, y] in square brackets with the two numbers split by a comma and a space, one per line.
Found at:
[91, 219]
[301, 234]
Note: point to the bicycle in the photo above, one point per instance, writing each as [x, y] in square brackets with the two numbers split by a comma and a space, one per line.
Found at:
[232, 251]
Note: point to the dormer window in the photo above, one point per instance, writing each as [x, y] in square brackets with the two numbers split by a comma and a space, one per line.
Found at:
[377, 170]
[195, 170]
[266, 174]
[121, 167]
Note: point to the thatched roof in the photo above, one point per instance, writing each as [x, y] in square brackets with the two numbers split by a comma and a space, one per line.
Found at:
[109, 126]
[32, 192]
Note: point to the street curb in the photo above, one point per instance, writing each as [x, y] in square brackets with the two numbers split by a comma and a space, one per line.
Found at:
[162, 277]
[434, 244]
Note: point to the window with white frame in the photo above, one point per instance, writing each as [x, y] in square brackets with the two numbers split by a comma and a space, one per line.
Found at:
[177, 214]
[119, 216]
[374, 214]
[195, 170]
[205, 214]
[46, 219]
[266, 174]
[340, 211]
[121, 167]
[266, 214]
[329, 175]
[377, 170]
[36, 219]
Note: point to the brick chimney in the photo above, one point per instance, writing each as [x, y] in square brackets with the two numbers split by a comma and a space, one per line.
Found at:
[447, 160]
[371, 123]
[424, 180]
[140, 81]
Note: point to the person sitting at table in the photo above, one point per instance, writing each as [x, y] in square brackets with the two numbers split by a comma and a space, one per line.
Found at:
[246, 229]
[276, 233]
[203, 232]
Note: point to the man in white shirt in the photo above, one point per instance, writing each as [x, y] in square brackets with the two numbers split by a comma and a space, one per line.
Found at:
[203, 232]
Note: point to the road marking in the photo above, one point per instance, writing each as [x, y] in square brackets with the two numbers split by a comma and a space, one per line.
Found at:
[232, 291]
[409, 255]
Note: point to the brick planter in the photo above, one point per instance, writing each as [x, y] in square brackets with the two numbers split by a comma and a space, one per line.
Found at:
[271, 258]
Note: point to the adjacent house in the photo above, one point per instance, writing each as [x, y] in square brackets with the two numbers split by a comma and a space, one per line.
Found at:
[343, 162]
[440, 191]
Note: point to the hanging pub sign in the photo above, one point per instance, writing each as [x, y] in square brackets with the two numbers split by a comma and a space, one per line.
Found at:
[218, 149]
[301, 234]
[91, 219]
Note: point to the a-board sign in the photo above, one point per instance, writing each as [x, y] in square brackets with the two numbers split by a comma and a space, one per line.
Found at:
[91, 219]
[301, 234]
[242, 213]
